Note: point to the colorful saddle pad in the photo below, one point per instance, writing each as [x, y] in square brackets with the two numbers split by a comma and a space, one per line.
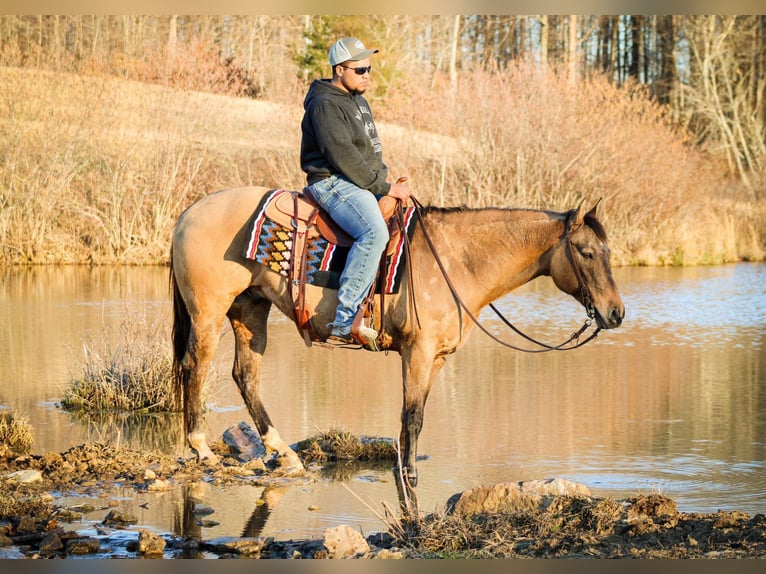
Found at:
[270, 244]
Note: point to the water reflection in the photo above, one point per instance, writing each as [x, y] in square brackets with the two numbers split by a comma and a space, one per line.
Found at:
[673, 401]
[192, 523]
[150, 431]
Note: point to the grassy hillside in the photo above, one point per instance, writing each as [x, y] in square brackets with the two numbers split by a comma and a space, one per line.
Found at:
[95, 170]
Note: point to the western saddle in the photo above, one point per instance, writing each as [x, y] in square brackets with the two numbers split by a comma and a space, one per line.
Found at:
[298, 211]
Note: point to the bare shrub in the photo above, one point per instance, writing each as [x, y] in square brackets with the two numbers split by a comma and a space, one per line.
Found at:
[525, 137]
[125, 371]
[341, 445]
[16, 433]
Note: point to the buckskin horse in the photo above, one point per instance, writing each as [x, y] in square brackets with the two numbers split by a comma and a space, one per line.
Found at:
[462, 259]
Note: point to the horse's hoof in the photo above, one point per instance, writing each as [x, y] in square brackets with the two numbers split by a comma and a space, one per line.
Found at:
[410, 477]
[209, 460]
[290, 465]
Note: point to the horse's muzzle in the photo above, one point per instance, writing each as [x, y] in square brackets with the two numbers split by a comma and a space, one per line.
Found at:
[612, 318]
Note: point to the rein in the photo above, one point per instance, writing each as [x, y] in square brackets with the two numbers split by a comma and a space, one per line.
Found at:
[565, 346]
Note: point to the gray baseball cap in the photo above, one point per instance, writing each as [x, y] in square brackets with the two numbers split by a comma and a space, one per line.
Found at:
[349, 49]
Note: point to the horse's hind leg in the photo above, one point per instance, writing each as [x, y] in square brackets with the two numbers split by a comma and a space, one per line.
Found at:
[248, 317]
[203, 343]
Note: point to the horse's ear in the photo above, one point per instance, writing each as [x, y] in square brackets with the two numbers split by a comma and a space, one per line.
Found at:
[576, 220]
[594, 210]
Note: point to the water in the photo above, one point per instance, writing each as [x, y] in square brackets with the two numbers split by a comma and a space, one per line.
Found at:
[673, 402]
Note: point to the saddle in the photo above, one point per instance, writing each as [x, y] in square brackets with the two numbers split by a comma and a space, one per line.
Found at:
[298, 211]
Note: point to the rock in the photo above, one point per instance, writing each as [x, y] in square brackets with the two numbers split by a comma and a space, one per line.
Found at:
[256, 465]
[118, 519]
[150, 544]
[50, 543]
[513, 496]
[344, 542]
[26, 525]
[25, 476]
[247, 546]
[386, 554]
[203, 510]
[159, 485]
[149, 474]
[245, 441]
[83, 546]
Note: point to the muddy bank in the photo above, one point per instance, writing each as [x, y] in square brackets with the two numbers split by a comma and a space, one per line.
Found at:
[34, 525]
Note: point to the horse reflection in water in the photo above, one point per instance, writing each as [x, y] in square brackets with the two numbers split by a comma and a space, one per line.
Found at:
[486, 252]
[193, 523]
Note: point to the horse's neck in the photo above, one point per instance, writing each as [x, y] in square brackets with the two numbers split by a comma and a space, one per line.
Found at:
[501, 249]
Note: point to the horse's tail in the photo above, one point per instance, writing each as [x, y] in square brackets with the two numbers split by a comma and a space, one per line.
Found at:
[180, 336]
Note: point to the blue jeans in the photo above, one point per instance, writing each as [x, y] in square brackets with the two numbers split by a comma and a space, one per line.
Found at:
[356, 211]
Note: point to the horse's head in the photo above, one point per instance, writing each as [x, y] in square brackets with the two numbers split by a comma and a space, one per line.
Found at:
[580, 266]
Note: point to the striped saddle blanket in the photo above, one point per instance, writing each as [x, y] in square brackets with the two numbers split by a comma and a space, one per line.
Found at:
[270, 243]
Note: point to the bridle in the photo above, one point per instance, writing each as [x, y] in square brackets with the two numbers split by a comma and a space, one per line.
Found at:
[574, 340]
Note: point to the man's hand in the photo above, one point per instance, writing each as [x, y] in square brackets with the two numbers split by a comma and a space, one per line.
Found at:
[400, 190]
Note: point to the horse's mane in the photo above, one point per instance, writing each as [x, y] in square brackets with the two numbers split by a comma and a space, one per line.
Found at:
[590, 220]
[596, 226]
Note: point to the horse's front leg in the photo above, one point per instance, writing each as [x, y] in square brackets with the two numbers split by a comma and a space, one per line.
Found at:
[248, 319]
[418, 373]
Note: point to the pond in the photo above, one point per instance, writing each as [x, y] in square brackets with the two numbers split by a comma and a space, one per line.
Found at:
[673, 402]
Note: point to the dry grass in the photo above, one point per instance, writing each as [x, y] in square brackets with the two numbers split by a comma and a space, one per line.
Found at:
[96, 169]
[16, 433]
[526, 138]
[334, 445]
[512, 534]
[15, 504]
[129, 370]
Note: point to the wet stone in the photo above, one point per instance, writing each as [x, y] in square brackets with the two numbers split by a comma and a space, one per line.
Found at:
[83, 546]
[203, 510]
[150, 544]
[26, 525]
[245, 546]
[344, 542]
[244, 441]
[118, 519]
[50, 543]
[159, 485]
[25, 476]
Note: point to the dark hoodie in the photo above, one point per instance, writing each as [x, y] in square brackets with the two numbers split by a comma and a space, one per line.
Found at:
[339, 138]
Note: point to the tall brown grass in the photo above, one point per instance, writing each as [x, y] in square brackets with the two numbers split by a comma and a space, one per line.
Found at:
[526, 137]
[128, 369]
[96, 169]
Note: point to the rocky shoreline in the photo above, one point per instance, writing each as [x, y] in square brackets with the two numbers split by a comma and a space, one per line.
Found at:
[533, 519]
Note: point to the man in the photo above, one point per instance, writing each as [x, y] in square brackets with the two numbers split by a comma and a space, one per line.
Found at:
[342, 157]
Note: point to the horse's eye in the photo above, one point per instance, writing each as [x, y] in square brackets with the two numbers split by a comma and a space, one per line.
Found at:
[588, 254]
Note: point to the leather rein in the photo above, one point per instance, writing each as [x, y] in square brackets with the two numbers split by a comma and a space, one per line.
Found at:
[574, 340]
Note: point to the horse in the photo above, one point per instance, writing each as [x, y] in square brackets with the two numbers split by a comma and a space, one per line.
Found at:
[478, 254]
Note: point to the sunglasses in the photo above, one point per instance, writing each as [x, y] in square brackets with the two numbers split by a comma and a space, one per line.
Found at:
[360, 71]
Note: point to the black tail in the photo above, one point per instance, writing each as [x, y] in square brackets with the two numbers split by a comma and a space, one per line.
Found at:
[180, 335]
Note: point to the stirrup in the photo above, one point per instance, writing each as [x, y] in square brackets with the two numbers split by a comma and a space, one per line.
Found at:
[367, 337]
